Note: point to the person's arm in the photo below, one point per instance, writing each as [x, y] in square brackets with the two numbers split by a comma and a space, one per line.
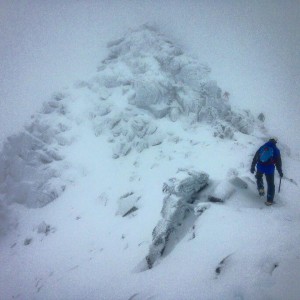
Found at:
[278, 164]
[254, 161]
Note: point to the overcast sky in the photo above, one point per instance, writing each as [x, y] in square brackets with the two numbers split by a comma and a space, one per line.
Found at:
[253, 48]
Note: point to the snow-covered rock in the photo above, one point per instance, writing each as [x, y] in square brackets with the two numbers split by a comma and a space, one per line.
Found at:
[181, 191]
[222, 192]
[166, 82]
[127, 204]
[28, 170]
[186, 184]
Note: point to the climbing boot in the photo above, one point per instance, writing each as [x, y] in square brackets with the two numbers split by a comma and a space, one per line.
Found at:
[268, 203]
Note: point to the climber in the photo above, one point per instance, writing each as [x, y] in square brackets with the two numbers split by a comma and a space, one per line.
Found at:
[265, 159]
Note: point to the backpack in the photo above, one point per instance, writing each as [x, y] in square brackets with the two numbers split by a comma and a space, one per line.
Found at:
[266, 155]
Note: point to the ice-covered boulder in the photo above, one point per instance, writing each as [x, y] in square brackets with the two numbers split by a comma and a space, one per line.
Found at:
[181, 192]
[31, 161]
[223, 131]
[166, 82]
[27, 171]
[127, 204]
[222, 192]
[243, 121]
[128, 131]
[186, 184]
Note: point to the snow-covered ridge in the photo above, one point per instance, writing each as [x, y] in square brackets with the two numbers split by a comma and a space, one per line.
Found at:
[145, 77]
[157, 76]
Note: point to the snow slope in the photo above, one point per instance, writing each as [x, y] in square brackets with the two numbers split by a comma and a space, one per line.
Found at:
[109, 144]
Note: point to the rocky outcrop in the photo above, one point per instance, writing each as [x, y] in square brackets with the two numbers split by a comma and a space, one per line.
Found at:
[177, 205]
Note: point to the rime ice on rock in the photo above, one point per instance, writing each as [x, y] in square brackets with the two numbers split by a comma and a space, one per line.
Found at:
[144, 77]
[186, 187]
[222, 192]
[30, 161]
[223, 131]
[133, 132]
[159, 78]
[127, 204]
[176, 207]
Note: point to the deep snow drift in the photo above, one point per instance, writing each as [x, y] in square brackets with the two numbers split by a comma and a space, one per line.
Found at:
[135, 184]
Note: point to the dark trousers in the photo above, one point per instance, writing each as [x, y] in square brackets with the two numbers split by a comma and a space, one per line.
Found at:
[270, 182]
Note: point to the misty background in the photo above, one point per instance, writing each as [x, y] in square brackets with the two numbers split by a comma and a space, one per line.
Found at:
[252, 47]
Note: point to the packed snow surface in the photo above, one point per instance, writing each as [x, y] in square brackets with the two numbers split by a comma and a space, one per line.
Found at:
[135, 184]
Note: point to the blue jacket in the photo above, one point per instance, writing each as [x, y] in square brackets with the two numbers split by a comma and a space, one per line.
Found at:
[269, 166]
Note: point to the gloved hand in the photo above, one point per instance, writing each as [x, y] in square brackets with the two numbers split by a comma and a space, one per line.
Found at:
[280, 174]
[252, 170]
